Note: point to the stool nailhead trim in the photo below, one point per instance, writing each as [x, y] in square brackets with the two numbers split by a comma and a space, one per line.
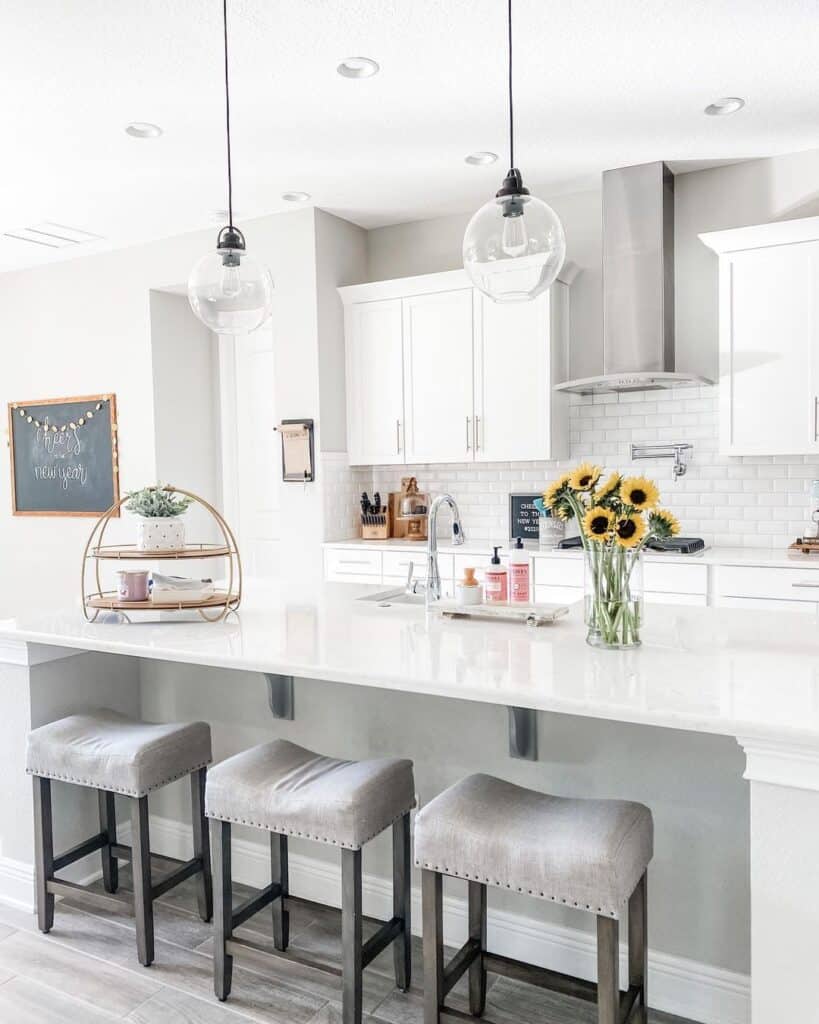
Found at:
[117, 789]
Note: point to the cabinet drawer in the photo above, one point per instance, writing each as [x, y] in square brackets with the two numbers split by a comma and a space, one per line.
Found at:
[396, 563]
[559, 572]
[662, 578]
[768, 583]
[351, 562]
[558, 595]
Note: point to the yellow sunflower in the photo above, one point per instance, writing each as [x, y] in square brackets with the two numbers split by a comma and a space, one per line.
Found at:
[597, 524]
[585, 476]
[554, 488]
[629, 531]
[640, 493]
[610, 487]
[664, 524]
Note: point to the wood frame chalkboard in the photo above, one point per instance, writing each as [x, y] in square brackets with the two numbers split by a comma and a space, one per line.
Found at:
[84, 446]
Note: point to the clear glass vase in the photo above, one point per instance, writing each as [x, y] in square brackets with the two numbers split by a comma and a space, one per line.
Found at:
[613, 591]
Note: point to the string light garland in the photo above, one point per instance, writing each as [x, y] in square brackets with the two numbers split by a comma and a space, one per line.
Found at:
[61, 429]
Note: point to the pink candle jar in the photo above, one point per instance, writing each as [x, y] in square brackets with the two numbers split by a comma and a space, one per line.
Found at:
[132, 585]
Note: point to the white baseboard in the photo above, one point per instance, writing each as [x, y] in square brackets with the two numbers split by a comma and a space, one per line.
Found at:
[17, 884]
[677, 985]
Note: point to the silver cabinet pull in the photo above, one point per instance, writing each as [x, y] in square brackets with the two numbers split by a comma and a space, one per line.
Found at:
[468, 445]
[816, 417]
[477, 433]
[806, 586]
[398, 437]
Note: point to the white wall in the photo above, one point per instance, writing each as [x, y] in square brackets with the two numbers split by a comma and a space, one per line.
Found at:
[84, 326]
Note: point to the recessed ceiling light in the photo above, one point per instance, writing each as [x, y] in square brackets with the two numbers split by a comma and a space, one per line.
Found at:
[295, 197]
[481, 158]
[358, 67]
[727, 105]
[143, 130]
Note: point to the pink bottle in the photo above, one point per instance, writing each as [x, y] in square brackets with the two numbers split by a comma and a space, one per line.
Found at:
[496, 581]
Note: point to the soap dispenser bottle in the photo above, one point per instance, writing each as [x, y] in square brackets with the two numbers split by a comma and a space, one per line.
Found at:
[519, 573]
[496, 581]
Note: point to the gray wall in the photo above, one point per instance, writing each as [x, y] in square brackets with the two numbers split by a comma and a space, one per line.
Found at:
[693, 784]
[754, 192]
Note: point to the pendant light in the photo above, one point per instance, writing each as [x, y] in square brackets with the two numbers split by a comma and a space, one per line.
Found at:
[229, 290]
[514, 246]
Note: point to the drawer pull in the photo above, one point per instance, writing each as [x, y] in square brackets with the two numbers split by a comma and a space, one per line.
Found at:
[806, 586]
[354, 561]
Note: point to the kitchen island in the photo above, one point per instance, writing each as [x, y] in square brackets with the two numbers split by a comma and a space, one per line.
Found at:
[749, 675]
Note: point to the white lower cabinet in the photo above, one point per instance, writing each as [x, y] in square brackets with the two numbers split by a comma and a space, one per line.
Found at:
[751, 586]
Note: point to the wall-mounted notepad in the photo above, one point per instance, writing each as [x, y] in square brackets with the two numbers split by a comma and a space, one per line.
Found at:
[297, 450]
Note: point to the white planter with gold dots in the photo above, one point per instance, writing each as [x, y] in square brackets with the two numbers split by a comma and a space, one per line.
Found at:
[160, 533]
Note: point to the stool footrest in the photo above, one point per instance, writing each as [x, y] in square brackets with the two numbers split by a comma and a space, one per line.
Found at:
[255, 952]
[565, 984]
[123, 852]
[388, 932]
[468, 952]
[185, 870]
[81, 850]
[72, 891]
[256, 903]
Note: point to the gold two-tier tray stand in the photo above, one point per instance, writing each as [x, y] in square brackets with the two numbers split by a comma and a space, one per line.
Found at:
[214, 608]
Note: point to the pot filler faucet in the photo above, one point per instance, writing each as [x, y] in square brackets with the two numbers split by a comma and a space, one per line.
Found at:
[433, 585]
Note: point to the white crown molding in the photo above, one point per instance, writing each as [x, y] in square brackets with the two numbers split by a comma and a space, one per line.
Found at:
[18, 652]
[781, 762]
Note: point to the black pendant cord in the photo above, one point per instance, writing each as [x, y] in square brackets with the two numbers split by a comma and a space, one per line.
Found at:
[511, 106]
[227, 117]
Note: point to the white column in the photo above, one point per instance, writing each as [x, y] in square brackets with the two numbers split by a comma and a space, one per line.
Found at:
[784, 779]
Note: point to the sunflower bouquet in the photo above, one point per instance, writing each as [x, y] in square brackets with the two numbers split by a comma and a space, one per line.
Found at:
[617, 518]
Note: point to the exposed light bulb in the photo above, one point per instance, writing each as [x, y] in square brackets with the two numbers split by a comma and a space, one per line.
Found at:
[231, 284]
[514, 237]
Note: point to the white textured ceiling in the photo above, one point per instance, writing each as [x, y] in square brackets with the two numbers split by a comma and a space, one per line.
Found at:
[598, 84]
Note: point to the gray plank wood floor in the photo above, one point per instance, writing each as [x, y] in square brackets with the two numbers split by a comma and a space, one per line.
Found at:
[86, 972]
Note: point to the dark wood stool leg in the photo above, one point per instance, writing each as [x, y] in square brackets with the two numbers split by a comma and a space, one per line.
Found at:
[477, 931]
[638, 945]
[201, 844]
[108, 825]
[351, 937]
[222, 909]
[608, 970]
[43, 852]
[280, 872]
[402, 901]
[141, 868]
[432, 903]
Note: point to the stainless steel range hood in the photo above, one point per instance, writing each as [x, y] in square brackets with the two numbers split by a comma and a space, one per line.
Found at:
[638, 285]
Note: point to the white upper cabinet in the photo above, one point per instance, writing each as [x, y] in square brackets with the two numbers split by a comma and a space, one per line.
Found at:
[769, 338]
[438, 376]
[462, 378]
[517, 416]
[375, 384]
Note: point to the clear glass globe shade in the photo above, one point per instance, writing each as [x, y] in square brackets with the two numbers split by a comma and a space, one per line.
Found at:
[513, 258]
[230, 291]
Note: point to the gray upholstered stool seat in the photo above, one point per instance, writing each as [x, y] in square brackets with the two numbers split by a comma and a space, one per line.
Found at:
[114, 754]
[284, 788]
[591, 855]
[290, 791]
[588, 854]
[108, 751]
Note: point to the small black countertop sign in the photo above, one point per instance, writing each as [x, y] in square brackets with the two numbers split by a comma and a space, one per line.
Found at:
[523, 517]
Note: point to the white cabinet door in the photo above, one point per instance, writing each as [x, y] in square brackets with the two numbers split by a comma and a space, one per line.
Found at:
[438, 376]
[769, 345]
[512, 379]
[375, 388]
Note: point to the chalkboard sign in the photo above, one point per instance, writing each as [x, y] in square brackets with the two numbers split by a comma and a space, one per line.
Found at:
[64, 456]
[523, 517]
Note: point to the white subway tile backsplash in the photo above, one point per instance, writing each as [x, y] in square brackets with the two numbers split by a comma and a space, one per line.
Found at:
[759, 501]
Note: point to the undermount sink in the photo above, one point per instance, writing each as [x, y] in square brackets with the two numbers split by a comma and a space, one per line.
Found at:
[387, 598]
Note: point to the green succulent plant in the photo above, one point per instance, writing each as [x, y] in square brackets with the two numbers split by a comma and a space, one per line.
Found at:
[158, 502]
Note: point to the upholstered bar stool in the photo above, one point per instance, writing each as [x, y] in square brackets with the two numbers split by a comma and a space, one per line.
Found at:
[111, 753]
[590, 855]
[289, 791]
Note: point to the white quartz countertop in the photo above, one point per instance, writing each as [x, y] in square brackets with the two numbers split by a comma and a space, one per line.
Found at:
[710, 556]
[733, 672]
